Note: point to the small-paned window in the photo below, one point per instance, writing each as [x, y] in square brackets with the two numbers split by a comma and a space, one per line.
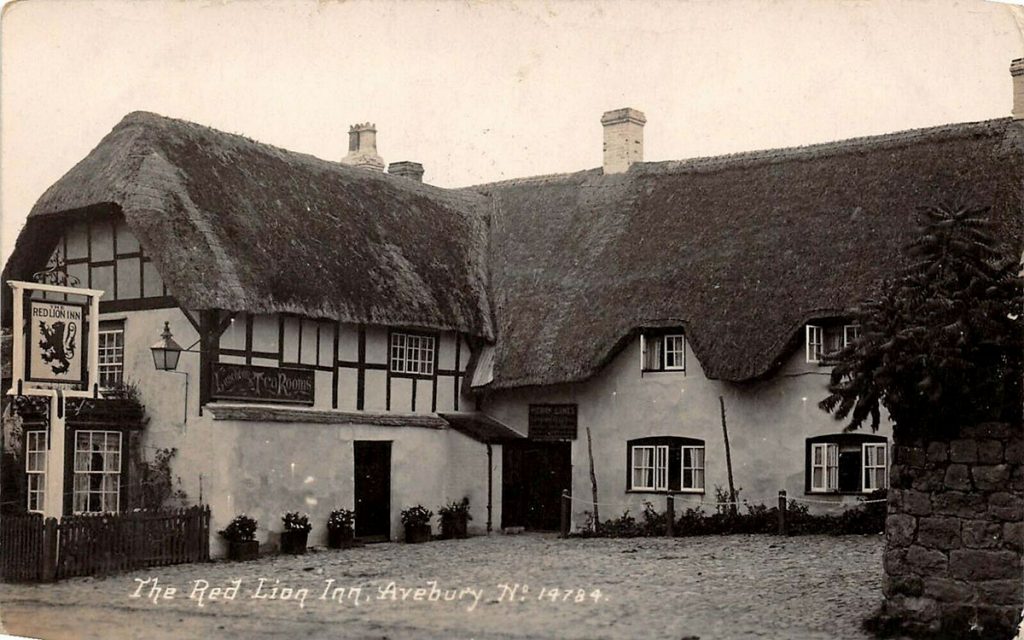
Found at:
[412, 353]
[111, 354]
[661, 351]
[97, 471]
[35, 469]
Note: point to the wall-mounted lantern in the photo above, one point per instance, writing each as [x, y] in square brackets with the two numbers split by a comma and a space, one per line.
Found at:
[166, 353]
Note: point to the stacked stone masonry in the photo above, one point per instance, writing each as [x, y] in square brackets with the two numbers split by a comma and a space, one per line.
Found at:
[954, 533]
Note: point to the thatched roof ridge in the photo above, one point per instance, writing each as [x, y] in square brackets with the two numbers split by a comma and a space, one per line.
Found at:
[239, 225]
[741, 250]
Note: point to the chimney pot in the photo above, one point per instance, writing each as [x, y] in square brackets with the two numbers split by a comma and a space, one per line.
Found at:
[407, 169]
[623, 139]
[362, 147]
[1017, 72]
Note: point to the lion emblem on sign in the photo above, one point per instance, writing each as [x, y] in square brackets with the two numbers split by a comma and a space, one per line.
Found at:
[57, 347]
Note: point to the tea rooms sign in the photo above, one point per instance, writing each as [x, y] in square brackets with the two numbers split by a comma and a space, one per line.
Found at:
[268, 384]
[55, 352]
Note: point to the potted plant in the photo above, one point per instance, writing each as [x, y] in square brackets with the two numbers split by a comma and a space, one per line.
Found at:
[341, 529]
[417, 523]
[240, 535]
[454, 519]
[296, 532]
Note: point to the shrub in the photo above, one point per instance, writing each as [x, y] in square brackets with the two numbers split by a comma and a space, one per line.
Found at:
[453, 510]
[295, 521]
[417, 516]
[341, 520]
[241, 529]
[758, 519]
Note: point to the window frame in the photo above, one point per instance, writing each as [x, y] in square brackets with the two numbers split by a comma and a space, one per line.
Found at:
[658, 468]
[866, 468]
[814, 349]
[77, 473]
[680, 352]
[850, 329]
[660, 340]
[405, 349]
[829, 466]
[111, 328]
[666, 466]
[692, 468]
[832, 445]
[38, 474]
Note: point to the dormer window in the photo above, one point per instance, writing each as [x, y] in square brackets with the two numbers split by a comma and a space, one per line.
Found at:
[850, 333]
[663, 351]
[822, 340]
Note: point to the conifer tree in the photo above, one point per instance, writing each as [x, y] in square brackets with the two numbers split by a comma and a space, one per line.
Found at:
[940, 344]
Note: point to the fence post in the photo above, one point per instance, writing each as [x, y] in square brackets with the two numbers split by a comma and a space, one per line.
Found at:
[48, 571]
[670, 515]
[782, 513]
[566, 507]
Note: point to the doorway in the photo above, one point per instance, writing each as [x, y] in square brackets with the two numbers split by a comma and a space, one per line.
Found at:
[372, 468]
[534, 474]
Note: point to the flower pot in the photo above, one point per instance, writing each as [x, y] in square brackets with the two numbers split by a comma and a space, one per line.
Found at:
[243, 550]
[415, 533]
[294, 542]
[340, 538]
[455, 527]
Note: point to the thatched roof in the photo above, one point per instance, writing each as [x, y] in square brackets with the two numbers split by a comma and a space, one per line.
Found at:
[741, 250]
[238, 225]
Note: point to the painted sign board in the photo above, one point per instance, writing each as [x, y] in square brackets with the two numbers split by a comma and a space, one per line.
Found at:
[55, 344]
[261, 384]
[552, 422]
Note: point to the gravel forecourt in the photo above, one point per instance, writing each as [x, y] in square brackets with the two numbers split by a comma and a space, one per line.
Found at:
[525, 586]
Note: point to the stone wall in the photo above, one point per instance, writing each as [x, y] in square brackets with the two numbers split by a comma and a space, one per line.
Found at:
[954, 534]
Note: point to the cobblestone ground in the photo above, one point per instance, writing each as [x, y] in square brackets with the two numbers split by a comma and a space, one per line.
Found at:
[707, 587]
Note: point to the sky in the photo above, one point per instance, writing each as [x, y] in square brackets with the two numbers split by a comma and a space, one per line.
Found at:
[489, 90]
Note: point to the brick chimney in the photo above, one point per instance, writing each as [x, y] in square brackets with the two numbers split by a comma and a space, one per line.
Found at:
[623, 139]
[406, 169]
[362, 147]
[1017, 71]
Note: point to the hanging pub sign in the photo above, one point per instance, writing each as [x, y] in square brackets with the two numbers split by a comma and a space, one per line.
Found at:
[265, 384]
[55, 343]
[552, 422]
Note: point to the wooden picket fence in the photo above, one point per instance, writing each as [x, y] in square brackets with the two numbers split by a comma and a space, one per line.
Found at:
[32, 549]
[26, 551]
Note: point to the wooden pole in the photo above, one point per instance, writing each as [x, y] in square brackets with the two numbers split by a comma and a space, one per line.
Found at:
[782, 513]
[593, 479]
[728, 459]
[670, 516]
[48, 572]
[566, 506]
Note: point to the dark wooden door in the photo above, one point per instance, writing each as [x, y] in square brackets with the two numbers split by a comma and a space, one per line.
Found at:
[373, 489]
[534, 474]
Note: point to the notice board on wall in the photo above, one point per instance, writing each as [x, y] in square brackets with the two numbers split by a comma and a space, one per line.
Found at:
[552, 422]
